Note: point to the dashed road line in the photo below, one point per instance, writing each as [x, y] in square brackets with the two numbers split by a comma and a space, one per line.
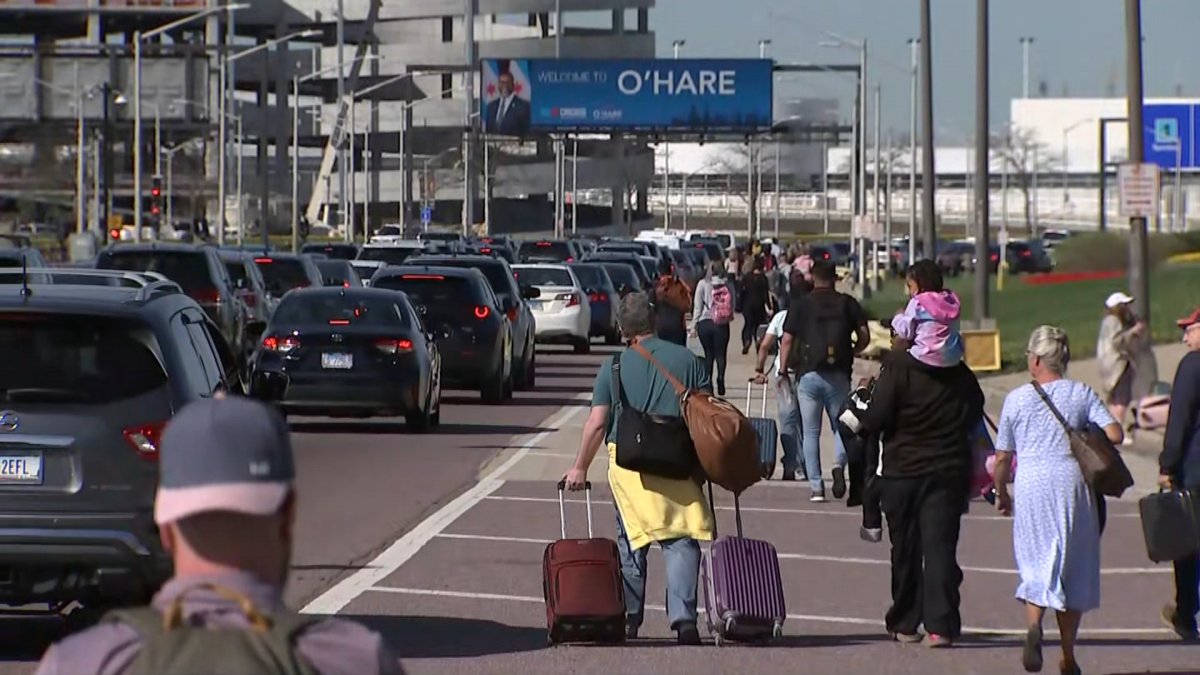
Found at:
[403, 549]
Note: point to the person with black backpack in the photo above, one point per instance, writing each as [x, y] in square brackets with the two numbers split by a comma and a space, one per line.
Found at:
[823, 333]
[226, 506]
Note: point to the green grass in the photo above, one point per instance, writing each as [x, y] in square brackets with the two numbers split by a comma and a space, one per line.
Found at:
[1076, 307]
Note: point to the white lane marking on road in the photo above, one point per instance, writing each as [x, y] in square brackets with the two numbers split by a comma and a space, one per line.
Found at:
[762, 509]
[403, 549]
[812, 618]
[820, 558]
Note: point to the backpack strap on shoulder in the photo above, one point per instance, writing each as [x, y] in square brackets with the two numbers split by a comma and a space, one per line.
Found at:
[146, 621]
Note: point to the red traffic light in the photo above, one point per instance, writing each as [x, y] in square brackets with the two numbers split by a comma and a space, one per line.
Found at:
[155, 192]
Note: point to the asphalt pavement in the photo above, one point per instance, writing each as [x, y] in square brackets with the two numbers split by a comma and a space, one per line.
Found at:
[436, 541]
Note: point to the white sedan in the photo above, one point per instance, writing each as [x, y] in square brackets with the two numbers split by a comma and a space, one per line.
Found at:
[561, 311]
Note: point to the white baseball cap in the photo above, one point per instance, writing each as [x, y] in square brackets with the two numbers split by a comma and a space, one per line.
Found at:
[1117, 299]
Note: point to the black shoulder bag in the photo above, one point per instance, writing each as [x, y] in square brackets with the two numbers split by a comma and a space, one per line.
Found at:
[656, 445]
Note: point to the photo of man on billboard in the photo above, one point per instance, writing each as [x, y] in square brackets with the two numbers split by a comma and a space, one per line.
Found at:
[506, 98]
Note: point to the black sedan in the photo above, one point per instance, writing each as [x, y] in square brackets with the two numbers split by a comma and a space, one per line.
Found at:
[460, 310]
[634, 261]
[349, 352]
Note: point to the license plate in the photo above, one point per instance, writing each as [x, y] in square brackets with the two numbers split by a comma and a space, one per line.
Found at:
[337, 361]
[21, 468]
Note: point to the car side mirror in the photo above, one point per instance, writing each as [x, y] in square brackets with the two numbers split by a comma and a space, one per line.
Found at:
[530, 292]
[589, 290]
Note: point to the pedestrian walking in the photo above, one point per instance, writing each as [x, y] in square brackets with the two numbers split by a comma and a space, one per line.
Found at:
[923, 414]
[650, 508]
[754, 296]
[1124, 351]
[1056, 514]
[226, 506]
[823, 333]
[672, 300]
[712, 312]
[1179, 466]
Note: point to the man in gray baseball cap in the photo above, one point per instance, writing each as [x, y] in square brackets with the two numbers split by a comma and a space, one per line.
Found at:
[226, 509]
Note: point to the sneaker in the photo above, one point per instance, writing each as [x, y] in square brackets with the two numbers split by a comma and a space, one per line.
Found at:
[936, 641]
[1168, 615]
[1031, 655]
[873, 535]
[839, 482]
[1069, 668]
[688, 635]
[905, 638]
[720, 387]
[817, 497]
[789, 476]
[631, 632]
[800, 475]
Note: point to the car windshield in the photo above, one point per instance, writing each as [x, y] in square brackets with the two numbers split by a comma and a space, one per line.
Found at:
[282, 274]
[186, 268]
[83, 359]
[338, 309]
[622, 274]
[392, 255]
[334, 251]
[439, 295]
[543, 251]
[389, 231]
[543, 276]
[592, 276]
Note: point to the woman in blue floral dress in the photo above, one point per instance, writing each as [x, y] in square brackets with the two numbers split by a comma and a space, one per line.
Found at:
[1056, 521]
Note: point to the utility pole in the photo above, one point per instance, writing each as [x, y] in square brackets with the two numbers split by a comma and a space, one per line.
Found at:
[928, 216]
[982, 167]
[1139, 263]
[914, 43]
[876, 197]
[469, 190]
[341, 94]
[1026, 45]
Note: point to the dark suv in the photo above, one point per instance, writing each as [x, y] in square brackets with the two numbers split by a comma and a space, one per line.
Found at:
[513, 302]
[101, 371]
[550, 251]
[459, 309]
[201, 274]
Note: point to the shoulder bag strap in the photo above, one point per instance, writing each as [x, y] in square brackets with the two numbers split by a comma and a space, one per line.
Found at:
[679, 388]
[1049, 404]
[618, 390]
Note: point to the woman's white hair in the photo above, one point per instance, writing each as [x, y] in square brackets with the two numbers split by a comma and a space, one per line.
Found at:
[1050, 345]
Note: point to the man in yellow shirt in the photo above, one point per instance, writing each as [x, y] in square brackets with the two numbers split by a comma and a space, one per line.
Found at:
[650, 509]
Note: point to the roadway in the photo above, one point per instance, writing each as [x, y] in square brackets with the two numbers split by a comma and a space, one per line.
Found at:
[436, 541]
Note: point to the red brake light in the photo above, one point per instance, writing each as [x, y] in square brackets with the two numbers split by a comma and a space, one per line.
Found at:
[426, 277]
[485, 250]
[345, 284]
[145, 439]
[598, 297]
[283, 345]
[208, 296]
[114, 234]
[512, 314]
[263, 261]
[826, 256]
[482, 311]
[543, 244]
[339, 322]
[570, 259]
[995, 257]
[1026, 253]
[394, 346]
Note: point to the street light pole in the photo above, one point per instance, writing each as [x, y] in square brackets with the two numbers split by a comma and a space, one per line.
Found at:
[876, 197]
[982, 166]
[1026, 45]
[1139, 263]
[928, 215]
[913, 43]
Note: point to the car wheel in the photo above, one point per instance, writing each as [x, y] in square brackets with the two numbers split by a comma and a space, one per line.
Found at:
[420, 422]
[583, 346]
[493, 390]
[508, 388]
[530, 379]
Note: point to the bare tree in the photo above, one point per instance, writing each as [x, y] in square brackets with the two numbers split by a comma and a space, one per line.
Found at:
[1024, 157]
[751, 161]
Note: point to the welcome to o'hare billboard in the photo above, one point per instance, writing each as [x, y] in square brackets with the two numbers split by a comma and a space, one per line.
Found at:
[526, 96]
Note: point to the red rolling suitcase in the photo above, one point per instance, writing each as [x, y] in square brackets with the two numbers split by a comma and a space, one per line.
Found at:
[582, 584]
[743, 587]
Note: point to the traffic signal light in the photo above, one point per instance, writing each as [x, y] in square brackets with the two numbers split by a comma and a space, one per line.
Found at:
[156, 196]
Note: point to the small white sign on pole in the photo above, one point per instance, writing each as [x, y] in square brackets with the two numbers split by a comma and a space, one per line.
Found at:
[1138, 185]
[865, 227]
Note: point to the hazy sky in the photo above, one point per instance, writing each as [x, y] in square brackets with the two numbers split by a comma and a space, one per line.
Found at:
[1079, 44]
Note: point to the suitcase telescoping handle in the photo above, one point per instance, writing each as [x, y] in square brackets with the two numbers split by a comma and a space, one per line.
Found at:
[749, 400]
[737, 511]
[562, 511]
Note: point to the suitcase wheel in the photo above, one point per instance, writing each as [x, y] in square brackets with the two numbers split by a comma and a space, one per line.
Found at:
[719, 640]
[552, 638]
[778, 632]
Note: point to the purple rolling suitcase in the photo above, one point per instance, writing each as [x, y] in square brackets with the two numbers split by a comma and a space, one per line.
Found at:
[743, 588]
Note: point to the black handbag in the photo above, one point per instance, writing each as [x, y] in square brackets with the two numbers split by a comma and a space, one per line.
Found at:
[1171, 525]
[656, 445]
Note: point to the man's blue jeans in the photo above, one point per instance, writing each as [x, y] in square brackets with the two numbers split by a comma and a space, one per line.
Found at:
[791, 434]
[682, 557]
[820, 392]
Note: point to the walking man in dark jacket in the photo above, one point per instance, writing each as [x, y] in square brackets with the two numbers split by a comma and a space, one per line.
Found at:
[1179, 466]
[923, 416]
